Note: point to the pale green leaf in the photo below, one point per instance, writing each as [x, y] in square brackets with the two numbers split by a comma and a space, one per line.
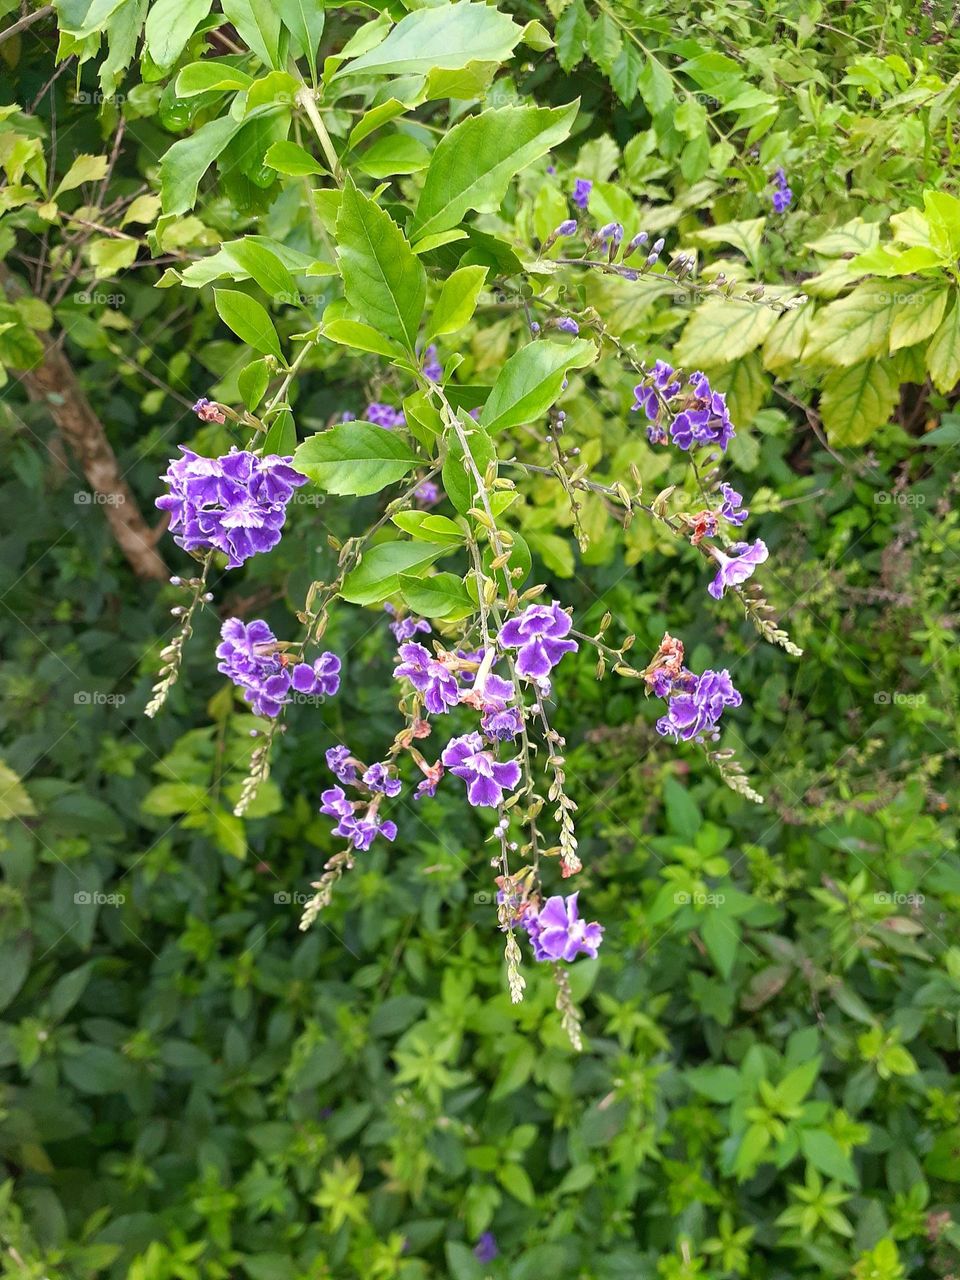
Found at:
[248, 320]
[378, 574]
[531, 380]
[722, 331]
[355, 458]
[856, 401]
[943, 354]
[457, 301]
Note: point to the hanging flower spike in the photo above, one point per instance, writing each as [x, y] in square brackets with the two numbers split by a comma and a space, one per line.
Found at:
[539, 634]
[435, 682]
[738, 567]
[486, 778]
[235, 504]
[248, 656]
[556, 931]
[782, 197]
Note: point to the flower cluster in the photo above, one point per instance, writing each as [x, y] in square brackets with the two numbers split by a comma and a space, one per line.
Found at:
[235, 504]
[698, 414]
[581, 192]
[694, 703]
[253, 659]
[384, 415]
[359, 820]
[407, 627]
[556, 931]
[782, 197]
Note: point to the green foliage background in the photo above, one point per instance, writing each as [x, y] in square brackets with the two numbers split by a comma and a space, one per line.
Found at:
[193, 1088]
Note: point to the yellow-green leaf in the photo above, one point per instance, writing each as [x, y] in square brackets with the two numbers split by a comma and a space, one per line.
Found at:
[853, 328]
[721, 331]
[943, 354]
[856, 401]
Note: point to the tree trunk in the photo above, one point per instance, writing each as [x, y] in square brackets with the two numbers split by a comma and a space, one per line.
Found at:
[54, 384]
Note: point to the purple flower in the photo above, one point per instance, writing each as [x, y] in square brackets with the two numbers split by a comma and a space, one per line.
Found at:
[639, 239]
[696, 704]
[235, 504]
[406, 628]
[567, 324]
[738, 567]
[361, 832]
[539, 635]
[486, 778]
[384, 415]
[323, 677]
[427, 494]
[581, 192]
[566, 228]
[432, 368]
[335, 804]
[208, 411]
[557, 932]
[705, 420]
[431, 678]
[501, 725]
[485, 1250]
[342, 764]
[782, 197]
[730, 508]
[379, 778]
[613, 231]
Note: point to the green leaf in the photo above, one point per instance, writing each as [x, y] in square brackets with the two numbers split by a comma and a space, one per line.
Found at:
[394, 153]
[572, 32]
[373, 119]
[248, 320]
[745, 236]
[109, 255]
[855, 236]
[383, 279]
[84, 169]
[625, 73]
[531, 380]
[918, 315]
[430, 526]
[378, 574]
[474, 163]
[826, 1155]
[353, 333]
[856, 401]
[458, 481]
[281, 439]
[656, 86]
[515, 1179]
[943, 354]
[853, 328]
[304, 20]
[258, 25]
[263, 265]
[457, 301]
[289, 158]
[720, 332]
[356, 458]
[202, 77]
[15, 802]
[185, 163]
[252, 383]
[169, 25]
[448, 36]
[442, 595]
[721, 937]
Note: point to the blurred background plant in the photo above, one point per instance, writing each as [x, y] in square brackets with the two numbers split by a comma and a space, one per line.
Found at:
[195, 1089]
